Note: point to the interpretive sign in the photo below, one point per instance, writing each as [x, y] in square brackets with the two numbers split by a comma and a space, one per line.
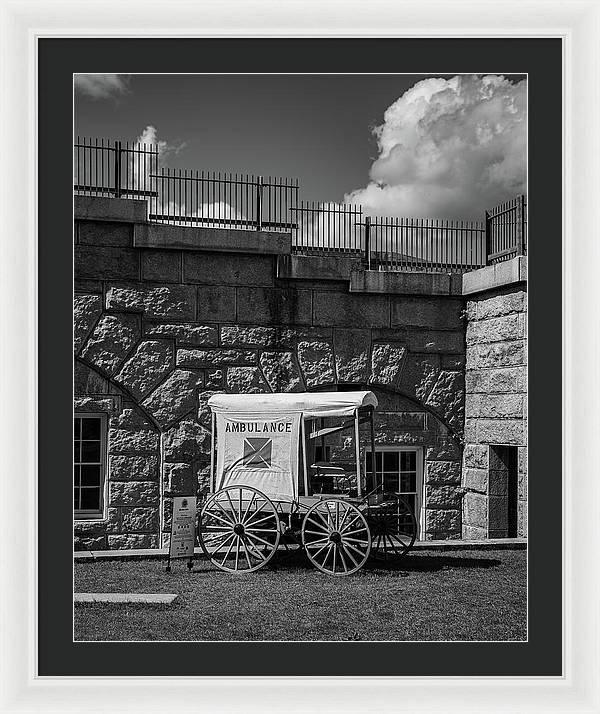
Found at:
[183, 527]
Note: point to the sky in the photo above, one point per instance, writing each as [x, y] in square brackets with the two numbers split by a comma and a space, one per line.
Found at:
[402, 145]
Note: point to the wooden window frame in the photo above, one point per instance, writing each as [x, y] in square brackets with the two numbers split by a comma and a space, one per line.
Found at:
[420, 478]
[100, 514]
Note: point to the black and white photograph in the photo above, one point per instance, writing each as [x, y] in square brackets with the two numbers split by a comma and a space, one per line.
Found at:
[328, 272]
[300, 357]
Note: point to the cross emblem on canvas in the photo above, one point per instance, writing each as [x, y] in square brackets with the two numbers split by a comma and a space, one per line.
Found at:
[257, 452]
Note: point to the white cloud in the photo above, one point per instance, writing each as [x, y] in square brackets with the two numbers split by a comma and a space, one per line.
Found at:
[140, 169]
[177, 206]
[449, 149]
[215, 214]
[150, 136]
[101, 86]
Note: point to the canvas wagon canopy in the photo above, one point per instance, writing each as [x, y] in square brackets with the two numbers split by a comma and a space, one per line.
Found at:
[258, 435]
[310, 404]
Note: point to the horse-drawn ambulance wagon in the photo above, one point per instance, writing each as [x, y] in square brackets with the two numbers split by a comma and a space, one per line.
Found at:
[274, 487]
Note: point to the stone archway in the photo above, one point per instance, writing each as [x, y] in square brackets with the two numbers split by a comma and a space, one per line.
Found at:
[403, 421]
[132, 470]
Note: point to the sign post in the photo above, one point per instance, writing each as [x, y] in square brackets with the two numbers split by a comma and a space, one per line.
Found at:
[183, 530]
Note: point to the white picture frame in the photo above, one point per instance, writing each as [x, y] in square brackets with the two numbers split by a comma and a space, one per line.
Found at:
[21, 23]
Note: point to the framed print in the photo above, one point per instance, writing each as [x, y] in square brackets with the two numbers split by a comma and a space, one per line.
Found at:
[316, 273]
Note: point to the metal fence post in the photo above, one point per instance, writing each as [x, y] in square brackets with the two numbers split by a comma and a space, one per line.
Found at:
[368, 241]
[520, 225]
[488, 238]
[117, 169]
[259, 190]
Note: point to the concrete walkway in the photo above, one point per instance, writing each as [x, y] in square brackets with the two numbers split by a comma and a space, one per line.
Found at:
[146, 598]
[438, 545]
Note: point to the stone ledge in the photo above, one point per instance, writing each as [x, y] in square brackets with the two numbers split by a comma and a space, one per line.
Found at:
[396, 283]
[317, 267]
[220, 240]
[102, 208]
[495, 276]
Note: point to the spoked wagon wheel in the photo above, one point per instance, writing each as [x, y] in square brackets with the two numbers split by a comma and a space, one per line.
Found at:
[239, 529]
[393, 527]
[336, 537]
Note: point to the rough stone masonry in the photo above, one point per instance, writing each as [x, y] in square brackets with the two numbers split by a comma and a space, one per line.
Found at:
[162, 320]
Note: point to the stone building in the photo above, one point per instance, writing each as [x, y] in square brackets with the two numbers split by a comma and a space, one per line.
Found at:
[495, 433]
[165, 316]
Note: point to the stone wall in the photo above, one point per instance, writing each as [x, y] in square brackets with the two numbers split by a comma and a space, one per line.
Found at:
[163, 328]
[496, 399]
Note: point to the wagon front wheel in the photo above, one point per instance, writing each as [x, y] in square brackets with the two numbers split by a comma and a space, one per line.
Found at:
[336, 537]
[239, 529]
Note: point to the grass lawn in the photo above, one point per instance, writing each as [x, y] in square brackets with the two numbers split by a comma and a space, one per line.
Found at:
[450, 595]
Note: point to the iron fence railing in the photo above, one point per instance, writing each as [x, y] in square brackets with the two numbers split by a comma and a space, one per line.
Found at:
[119, 169]
[327, 227]
[407, 244]
[249, 202]
[506, 230]
[216, 200]
[420, 244]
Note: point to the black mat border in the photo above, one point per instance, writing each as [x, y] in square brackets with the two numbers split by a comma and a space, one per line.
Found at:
[58, 59]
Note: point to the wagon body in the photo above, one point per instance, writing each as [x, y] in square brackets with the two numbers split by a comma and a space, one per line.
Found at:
[273, 486]
[258, 437]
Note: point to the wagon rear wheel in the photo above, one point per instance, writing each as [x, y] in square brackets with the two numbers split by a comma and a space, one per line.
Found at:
[393, 527]
[239, 529]
[336, 537]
